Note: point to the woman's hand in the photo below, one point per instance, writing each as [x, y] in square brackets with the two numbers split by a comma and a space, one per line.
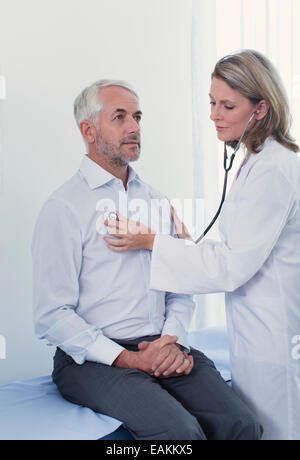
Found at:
[181, 230]
[130, 235]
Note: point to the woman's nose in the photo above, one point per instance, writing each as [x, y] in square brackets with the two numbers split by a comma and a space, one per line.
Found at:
[215, 113]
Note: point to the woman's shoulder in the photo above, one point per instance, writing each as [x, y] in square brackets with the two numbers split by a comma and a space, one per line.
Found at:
[277, 154]
[279, 159]
[273, 146]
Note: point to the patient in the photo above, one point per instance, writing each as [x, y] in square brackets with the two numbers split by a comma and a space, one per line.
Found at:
[122, 349]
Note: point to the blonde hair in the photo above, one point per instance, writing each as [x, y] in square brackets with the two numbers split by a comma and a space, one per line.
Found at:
[255, 77]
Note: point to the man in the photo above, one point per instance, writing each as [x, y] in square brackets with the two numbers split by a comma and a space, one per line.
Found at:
[122, 349]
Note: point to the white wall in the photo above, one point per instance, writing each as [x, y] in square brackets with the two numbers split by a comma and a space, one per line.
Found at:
[49, 51]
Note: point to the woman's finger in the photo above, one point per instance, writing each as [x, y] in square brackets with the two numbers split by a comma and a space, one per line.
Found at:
[113, 223]
[121, 218]
[114, 241]
[118, 248]
[116, 231]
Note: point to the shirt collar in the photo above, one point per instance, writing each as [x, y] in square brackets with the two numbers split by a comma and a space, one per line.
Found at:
[96, 176]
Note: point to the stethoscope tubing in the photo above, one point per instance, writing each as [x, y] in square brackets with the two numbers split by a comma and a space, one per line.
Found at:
[227, 168]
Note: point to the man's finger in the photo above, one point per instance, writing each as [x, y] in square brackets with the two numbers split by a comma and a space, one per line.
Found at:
[165, 366]
[143, 345]
[167, 339]
[178, 363]
[184, 367]
[163, 360]
[191, 365]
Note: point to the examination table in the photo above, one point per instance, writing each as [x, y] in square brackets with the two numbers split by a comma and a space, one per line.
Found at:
[33, 409]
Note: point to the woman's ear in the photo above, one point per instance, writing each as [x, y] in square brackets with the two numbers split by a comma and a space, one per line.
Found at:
[262, 109]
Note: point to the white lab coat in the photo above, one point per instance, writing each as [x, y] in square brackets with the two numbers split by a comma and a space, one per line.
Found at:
[257, 265]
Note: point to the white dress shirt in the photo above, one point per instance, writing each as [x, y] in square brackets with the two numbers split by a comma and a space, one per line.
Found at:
[86, 295]
[257, 265]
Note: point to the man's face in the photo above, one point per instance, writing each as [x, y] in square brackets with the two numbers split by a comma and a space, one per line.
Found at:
[118, 130]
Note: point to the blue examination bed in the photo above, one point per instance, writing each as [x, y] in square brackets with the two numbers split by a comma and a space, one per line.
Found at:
[33, 409]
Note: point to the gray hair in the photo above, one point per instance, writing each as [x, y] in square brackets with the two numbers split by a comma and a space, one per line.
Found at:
[87, 105]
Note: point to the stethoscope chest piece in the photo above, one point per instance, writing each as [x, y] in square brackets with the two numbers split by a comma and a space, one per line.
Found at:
[110, 215]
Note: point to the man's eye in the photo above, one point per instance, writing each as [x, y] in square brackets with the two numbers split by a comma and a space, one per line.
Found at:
[138, 117]
[118, 117]
[212, 103]
[228, 107]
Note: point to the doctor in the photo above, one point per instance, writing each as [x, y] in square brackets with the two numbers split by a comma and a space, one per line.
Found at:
[257, 262]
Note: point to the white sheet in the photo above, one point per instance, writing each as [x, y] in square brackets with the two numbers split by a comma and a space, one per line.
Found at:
[34, 409]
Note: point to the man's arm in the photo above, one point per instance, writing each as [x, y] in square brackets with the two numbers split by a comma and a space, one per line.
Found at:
[161, 350]
[179, 312]
[143, 359]
[57, 259]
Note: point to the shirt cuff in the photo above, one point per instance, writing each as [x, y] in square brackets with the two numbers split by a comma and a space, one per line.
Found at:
[103, 350]
[179, 331]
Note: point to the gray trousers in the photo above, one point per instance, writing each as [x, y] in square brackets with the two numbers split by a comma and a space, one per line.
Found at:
[197, 406]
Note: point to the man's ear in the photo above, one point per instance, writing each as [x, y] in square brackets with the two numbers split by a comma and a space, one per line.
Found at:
[88, 131]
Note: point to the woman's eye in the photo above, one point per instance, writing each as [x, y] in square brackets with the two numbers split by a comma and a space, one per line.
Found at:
[228, 107]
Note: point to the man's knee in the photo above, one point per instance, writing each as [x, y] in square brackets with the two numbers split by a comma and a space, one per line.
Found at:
[161, 417]
[246, 428]
[252, 430]
[179, 428]
[186, 430]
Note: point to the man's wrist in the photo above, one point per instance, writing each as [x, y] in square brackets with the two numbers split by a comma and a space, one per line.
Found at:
[126, 359]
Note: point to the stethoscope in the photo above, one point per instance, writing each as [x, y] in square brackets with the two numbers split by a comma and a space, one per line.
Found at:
[227, 167]
[111, 215]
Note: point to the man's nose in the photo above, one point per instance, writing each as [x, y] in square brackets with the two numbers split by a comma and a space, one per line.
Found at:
[132, 126]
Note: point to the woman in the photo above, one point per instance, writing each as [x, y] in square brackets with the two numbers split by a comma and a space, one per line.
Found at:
[257, 262]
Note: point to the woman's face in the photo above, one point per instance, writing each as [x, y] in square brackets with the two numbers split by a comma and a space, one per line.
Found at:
[230, 110]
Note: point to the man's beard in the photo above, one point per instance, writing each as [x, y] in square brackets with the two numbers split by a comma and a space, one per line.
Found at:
[113, 152]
